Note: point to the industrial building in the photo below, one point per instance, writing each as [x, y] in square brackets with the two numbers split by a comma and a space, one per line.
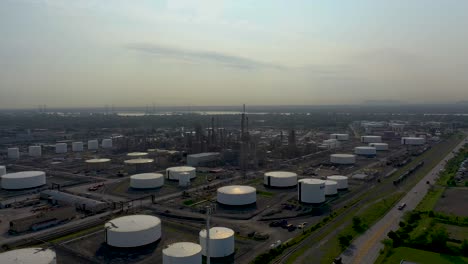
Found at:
[49, 216]
[204, 159]
[80, 202]
[132, 231]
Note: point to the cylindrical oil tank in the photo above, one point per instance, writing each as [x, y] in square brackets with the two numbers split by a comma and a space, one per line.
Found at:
[97, 164]
[29, 256]
[173, 173]
[221, 242]
[2, 170]
[280, 179]
[413, 141]
[340, 137]
[237, 195]
[379, 146]
[365, 151]
[182, 253]
[106, 143]
[35, 151]
[146, 180]
[133, 231]
[13, 153]
[23, 180]
[137, 154]
[341, 180]
[184, 179]
[93, 144]
[311, 191]
[139, 165]
[61, 148]
[371, 139]
[77, 146]
[343, 159]
[331, 187]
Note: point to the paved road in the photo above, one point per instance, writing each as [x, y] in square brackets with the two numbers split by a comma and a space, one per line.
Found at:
[365, 249]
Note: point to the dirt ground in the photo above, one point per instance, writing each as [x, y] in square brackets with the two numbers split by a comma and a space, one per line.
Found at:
[453, 201]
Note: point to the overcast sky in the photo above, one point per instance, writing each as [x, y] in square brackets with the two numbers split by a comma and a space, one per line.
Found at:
[212, 52]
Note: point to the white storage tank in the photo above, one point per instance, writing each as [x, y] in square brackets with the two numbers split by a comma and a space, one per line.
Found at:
[221, 242]
[2, 170]
[379, 146]
[184, 179]
[29, 256]
[13, 153]
[97, 164]
[137, 154]
[340, 137]
[61, 148]
[331, 187]
[237, 195]
[280, 179]
[365, 151]
[341, 180]
[371, 139]
[23, 180]
[146, 180]
[344, 159]
[182, 253]
[173, 173]
[77, 146]
[133, 231]
[35, 151]
[413, 141]
[311, 191]
[106, 143]
[93, 144]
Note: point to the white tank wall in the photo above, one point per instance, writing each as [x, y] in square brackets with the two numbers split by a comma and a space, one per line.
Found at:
[371, 139]
[29, 256]
[77, 146]
[184, 179]
[331, 187]
[280, 179]
[35, 151]
[133, 231]
[106, 143]
[341, 180]
[23, 180]
[365, 151]
[2, 170]
[379, 146]
[93, 144]
[13, 153]
[236, 195]
[61, 148]
[342, 159]
[174, 172]
[222, 242]
[311, 191]
[182, 253]
[146, 180]
[413, 141]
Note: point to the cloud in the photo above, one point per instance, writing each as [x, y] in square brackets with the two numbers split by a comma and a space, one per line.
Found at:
[202, 56]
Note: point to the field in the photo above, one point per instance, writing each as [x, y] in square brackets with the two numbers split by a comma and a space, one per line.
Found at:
[453, 201]
[421, 256]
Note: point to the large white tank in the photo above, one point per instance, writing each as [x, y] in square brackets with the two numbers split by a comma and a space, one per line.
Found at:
[365, 151]
[379, 146]
[311, 191]
[77, 146]
[133, 231]
[184, 179]
[23, 180]
[221, 242]
[35, 151]
[331, 187]
[173, 173]
[413, 141]
[13, 153]
[237, 195]
[343, 159]
[137, 154]
[2, 170]
[106, 143]
[93, 144]
[29, 256]
[61, 148]
[341, 180]
[340, 137]
[280, 179]
[371, 139]
[146, 180]
[182, 253]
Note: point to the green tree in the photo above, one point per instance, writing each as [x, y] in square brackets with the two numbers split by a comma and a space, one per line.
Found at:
[344, 240]
[438, 238]
[464, 247]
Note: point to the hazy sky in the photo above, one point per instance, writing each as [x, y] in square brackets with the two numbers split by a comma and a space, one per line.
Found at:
[213, 52]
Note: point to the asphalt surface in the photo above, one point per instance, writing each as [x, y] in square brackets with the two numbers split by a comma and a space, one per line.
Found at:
[365, 249]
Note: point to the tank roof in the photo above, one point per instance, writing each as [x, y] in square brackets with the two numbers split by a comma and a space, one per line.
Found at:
[28, 256]
[218, 232]
[237, 189]
[132, 223]
[146, 176]
[281, 174]
[182, 249]
[23, 174]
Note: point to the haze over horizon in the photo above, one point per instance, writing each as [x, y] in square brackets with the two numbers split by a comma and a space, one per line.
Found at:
[185, 52]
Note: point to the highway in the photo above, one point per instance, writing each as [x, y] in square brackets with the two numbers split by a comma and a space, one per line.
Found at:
[365, 249]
